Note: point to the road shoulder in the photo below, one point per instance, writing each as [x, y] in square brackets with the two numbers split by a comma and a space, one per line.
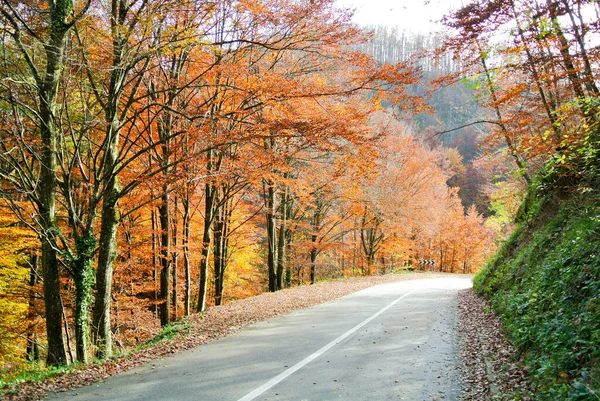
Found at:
[490, 368]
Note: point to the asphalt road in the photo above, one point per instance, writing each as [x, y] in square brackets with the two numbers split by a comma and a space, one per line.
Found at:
[389, 342]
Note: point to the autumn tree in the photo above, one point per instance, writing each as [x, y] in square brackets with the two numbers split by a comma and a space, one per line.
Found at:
[26, 29]
[540, 84]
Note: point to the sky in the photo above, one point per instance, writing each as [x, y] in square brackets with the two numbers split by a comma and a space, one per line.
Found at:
[410, 15]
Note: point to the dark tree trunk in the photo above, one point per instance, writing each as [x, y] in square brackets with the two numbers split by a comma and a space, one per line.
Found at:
[155, 246]
[271, 236]
[107, 252]
[209, 199]
[313, 259]
[165, 257]
[282, 237]
[33, 352]
[48, 92]
[56, 348]
[67, 332]
[175, 260]
[84, 279]
[186, 254]
[569, 64]
[221, 244]
[288, 268]
[218, 245]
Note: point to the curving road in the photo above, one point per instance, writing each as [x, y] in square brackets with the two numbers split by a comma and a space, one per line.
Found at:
[390, 342]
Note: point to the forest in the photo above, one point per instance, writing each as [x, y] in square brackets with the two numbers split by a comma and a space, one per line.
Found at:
[158, 158]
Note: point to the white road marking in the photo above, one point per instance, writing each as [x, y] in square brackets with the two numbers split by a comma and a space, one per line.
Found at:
[285, 374]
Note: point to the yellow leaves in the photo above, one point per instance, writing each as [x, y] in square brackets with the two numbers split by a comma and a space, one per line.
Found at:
[377, 103]
[15, 241]
[244, 277]
[16, 244]
[546, 135]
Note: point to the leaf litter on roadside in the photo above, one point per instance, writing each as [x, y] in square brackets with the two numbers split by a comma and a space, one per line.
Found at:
[490, 369]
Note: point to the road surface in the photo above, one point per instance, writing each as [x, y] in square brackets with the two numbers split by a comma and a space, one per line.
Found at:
[390, 342]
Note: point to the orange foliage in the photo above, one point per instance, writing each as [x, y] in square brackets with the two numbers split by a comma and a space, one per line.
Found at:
[222, 115]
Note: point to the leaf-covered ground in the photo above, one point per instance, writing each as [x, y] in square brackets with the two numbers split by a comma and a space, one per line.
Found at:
[215, 323]
[490, 370]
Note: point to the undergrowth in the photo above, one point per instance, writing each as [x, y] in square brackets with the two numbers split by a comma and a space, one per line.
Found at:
[545, 284]
[36, 371]
[32, 372]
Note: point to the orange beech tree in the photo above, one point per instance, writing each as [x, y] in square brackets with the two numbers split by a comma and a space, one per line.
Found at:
[295, 61]
[404, 208]
[401, 197]
[535, 72]
[113, 91]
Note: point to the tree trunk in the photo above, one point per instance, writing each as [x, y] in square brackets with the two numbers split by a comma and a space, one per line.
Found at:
[84, 279]
[218, 243]
[155, 246]
[175, 260]
[370, 262]
[343, 257]
[48, 91]
[33, 352]
[282, 238]
[221, 244]
[576, 83]
[271, 236]
[288, 268]
[67, 331]
[186, 254]
[209, 198]
[315, 224]
[165, 257]
[313, 260]
[107, 252]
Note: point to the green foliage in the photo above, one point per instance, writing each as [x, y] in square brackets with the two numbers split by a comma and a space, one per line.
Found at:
[32, 372]
[36, 371]
[545, 283]
[168, 332]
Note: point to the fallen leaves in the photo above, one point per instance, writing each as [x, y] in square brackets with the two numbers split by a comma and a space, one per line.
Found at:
[490, 369]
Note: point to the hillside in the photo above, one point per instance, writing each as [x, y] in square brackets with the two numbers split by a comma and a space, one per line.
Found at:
[545, 284]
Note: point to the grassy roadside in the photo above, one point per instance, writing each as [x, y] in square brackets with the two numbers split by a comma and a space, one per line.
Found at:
[545, 285]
